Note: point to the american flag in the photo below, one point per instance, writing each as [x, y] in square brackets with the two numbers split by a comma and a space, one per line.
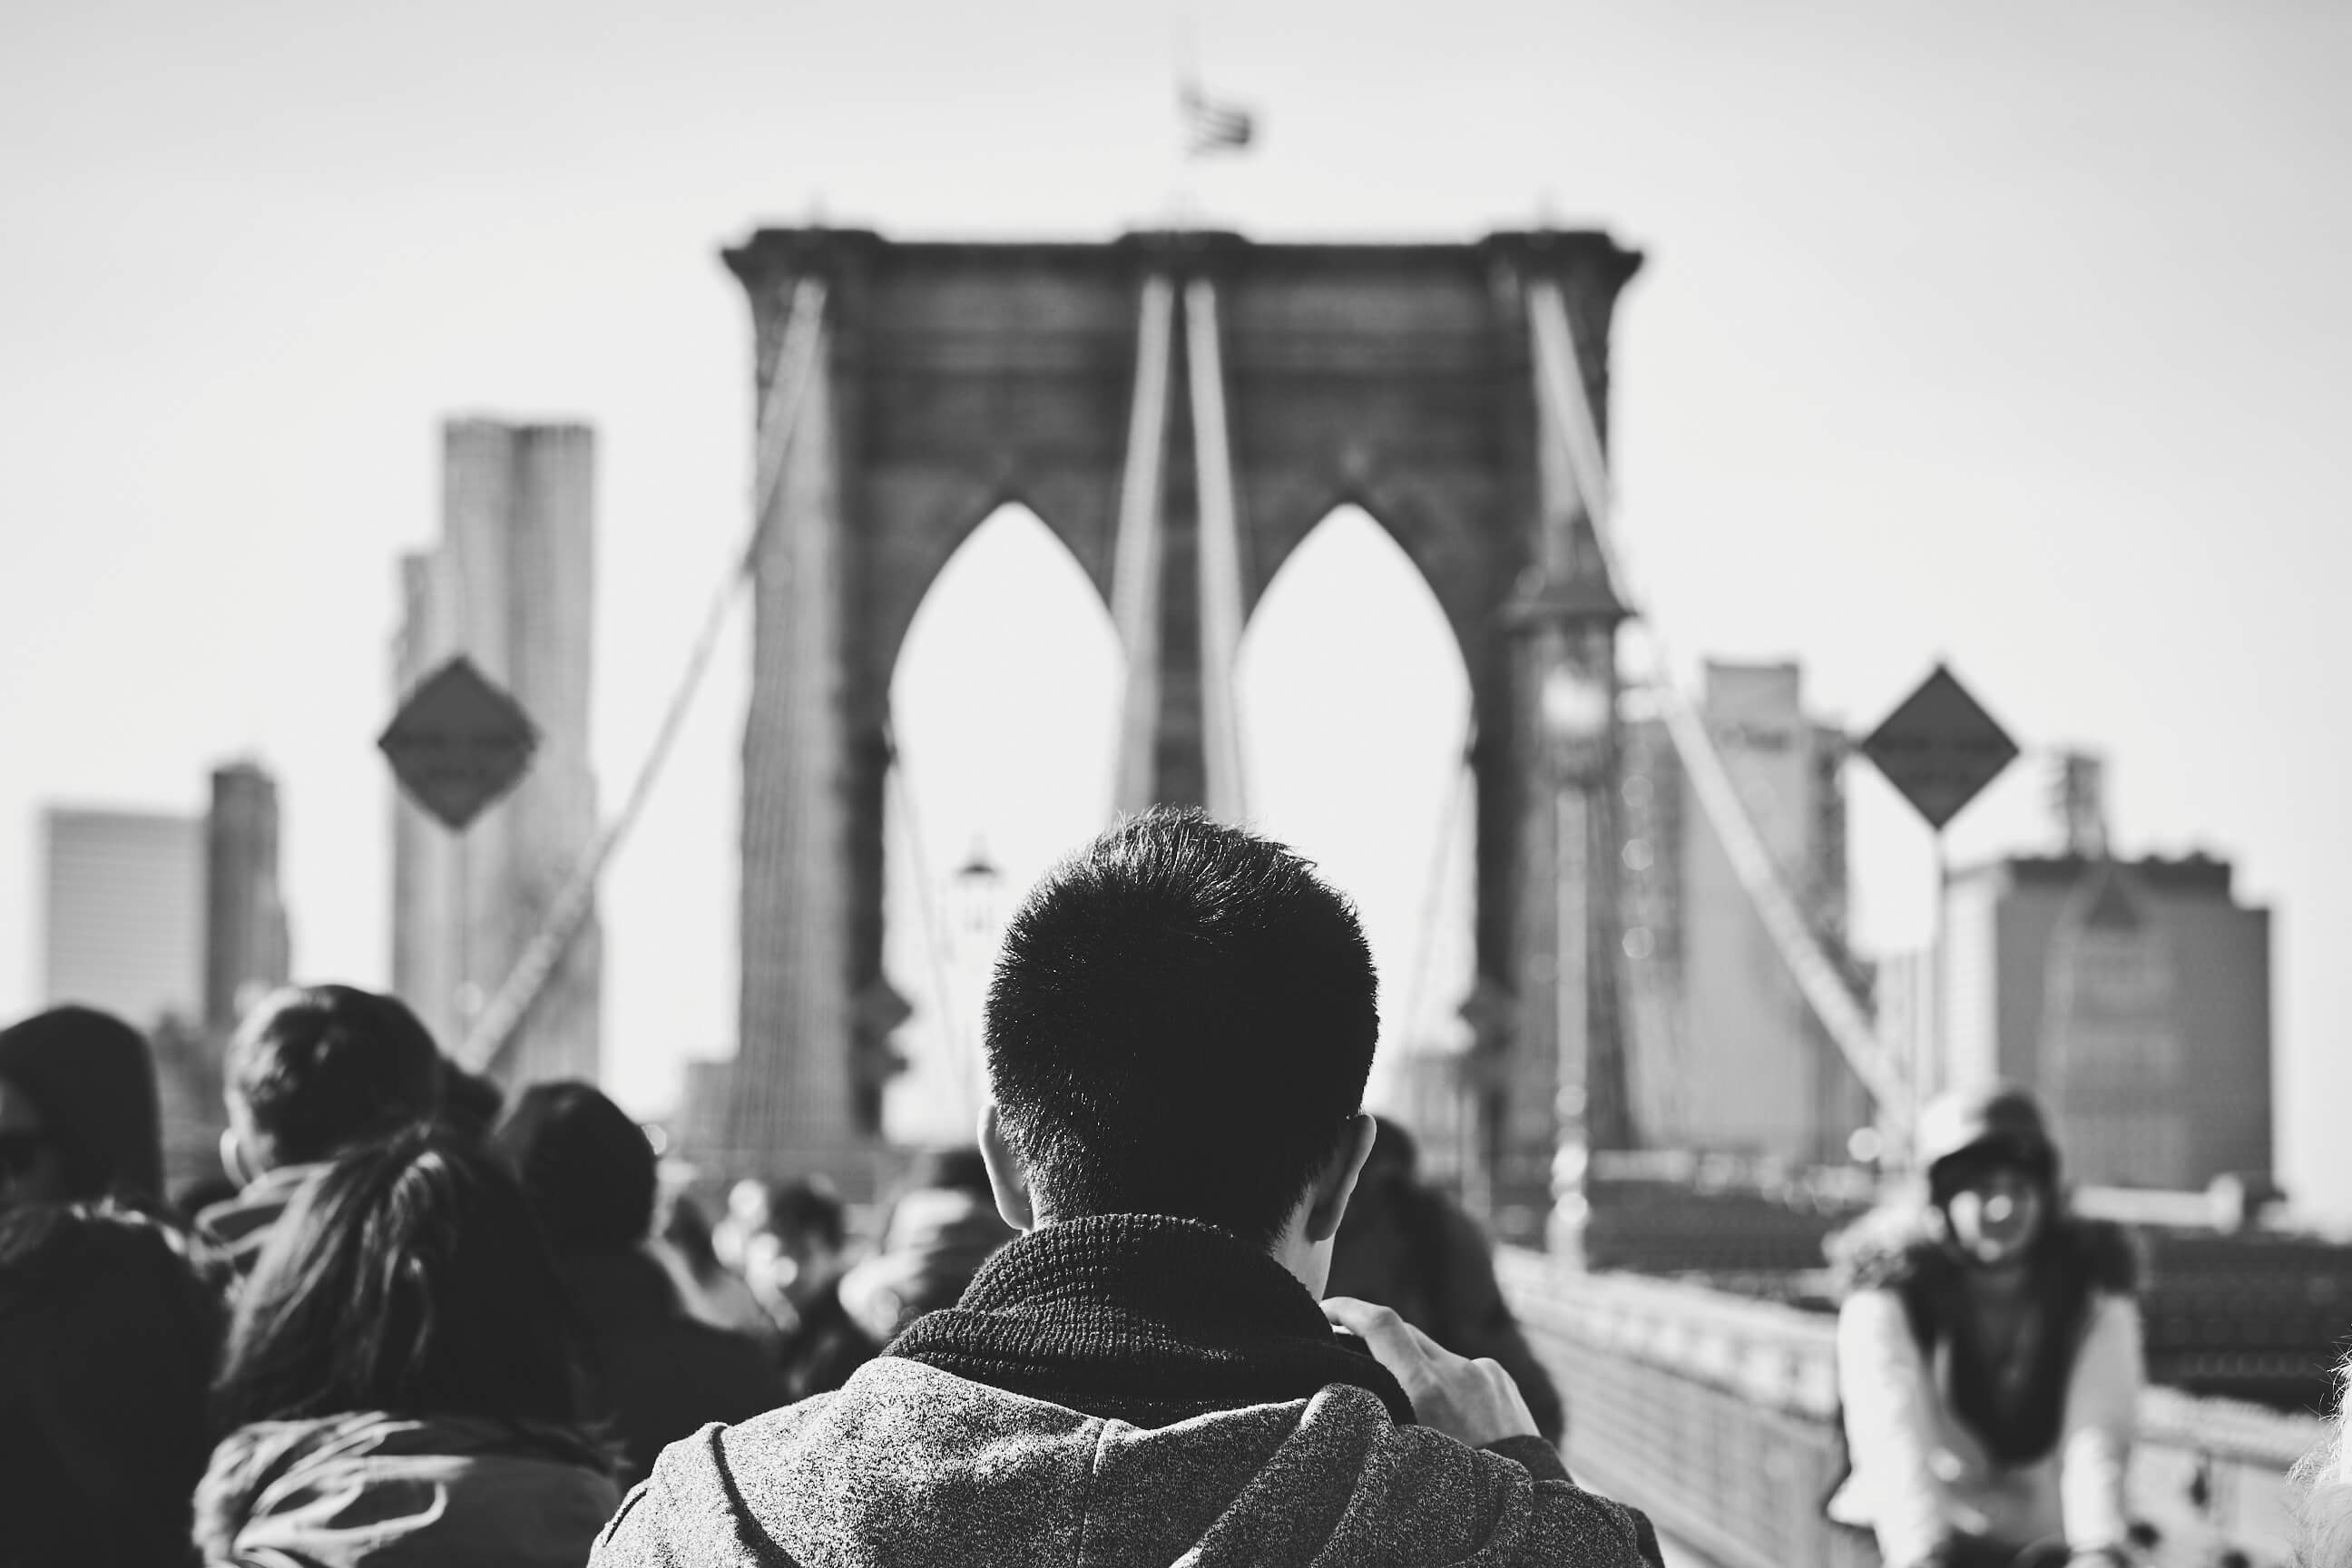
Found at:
[1211, 126]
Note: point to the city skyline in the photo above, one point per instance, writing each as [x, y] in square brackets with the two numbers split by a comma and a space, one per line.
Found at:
[2008, 339]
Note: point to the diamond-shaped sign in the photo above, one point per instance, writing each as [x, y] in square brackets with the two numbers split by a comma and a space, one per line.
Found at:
[1939, 748]
[459, 743]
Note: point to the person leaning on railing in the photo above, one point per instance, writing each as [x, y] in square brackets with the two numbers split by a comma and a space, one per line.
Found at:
[1988, 1354]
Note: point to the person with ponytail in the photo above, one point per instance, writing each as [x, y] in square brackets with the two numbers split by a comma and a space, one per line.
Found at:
[401, 1385]
[1988, 1354]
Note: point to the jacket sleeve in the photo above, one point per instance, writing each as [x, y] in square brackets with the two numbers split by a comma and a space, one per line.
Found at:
[2102, 1410]
[1890, 1425]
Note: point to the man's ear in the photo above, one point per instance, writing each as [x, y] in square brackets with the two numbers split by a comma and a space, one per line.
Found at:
[1337, 1183]
[1007, 1178]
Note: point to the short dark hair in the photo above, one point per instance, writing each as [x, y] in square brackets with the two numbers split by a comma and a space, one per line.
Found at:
[408, 1278]
[1182, 1021]
[590, 1171]
[322, 1067]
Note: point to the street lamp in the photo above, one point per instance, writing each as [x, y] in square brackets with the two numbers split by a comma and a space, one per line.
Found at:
[972, 892]
[971, 938]
[1567, 618]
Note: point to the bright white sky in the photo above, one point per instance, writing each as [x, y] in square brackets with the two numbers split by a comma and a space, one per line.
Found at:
[2009, 333]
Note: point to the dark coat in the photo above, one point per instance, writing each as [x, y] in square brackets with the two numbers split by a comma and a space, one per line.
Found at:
[656, 1374]
[818, 1356]
[107, 1340]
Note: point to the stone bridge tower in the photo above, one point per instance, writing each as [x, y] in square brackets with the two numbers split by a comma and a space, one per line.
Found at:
[1180, 409]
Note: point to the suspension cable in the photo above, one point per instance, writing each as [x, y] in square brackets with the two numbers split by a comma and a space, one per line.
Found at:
[1816, 977]
[494, 1030]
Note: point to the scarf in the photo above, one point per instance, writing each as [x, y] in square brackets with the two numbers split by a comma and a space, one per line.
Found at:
[1144, 1319]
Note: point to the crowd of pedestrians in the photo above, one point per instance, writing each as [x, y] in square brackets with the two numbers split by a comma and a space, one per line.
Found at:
[1182, 1301]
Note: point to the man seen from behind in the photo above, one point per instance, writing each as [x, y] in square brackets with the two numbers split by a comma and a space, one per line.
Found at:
[1179, 1033]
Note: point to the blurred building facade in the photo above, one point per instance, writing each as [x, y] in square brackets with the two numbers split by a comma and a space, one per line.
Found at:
[123, 912]
[2133, 996]
[246, 942]
[173, 923]
[511, 585]
[1726, 1056]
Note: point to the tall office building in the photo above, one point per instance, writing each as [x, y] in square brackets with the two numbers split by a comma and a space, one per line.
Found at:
[245, 944]
[1725, 1054]
[2133, 996]
[510, 586]
[123, 913]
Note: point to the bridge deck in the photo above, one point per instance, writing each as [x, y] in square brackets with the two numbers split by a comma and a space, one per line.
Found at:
[1717, 1415]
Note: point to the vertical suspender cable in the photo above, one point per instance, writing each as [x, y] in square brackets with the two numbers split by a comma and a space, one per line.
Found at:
[1137, 553]
[1432, 892]
[1221, 558]
[961, 1052]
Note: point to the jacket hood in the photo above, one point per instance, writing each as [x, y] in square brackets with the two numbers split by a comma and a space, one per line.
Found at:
[92, 1077]
[373, 1490]
[916, 1467]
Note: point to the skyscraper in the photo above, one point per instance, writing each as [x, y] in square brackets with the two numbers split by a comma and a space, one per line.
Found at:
[2133, 995]
[246, 943]
[123, 912]
[510, 586]
[1724, 1052]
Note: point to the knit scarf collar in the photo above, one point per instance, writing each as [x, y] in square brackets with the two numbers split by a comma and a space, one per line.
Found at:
[1143, 1319]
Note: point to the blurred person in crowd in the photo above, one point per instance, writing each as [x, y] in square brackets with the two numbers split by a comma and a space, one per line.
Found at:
[400, 1385]
[796, 1260]
[2323, 1490]
[713, 1292]
[107, 1339]
[1180, 1027]
[313, 1070]
[1988, 1353]
[942, 1226]
[654, 1374]
[78, 1116]
[470, 1101]
[1409, 1247]
[746, 1211]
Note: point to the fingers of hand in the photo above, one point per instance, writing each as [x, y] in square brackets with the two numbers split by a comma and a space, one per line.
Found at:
[1395, 1343]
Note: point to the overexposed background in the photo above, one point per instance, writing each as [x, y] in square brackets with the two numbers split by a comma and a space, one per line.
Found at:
[2012, 334]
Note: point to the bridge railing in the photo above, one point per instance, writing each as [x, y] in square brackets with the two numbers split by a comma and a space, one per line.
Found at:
[1717, 1415]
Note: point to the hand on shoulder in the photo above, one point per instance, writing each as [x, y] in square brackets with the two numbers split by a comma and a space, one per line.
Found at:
[1474, 1402]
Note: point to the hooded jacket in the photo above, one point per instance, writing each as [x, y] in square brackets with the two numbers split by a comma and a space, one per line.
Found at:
[372, 1491]
[1224, 1425]
[107, 1339]
[656, 1373]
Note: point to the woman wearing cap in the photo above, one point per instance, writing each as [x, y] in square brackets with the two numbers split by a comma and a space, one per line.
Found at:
[1988, 1355]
